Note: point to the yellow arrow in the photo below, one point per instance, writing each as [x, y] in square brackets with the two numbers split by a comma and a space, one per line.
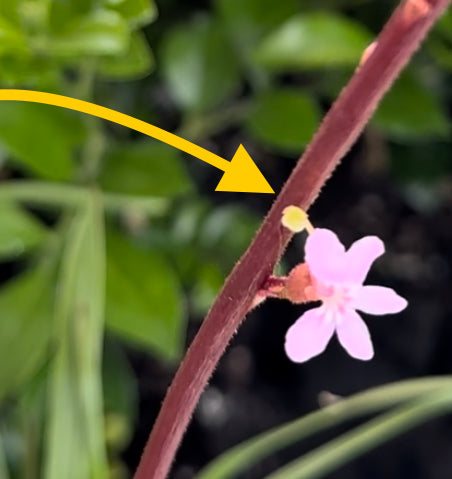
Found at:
[240, 175]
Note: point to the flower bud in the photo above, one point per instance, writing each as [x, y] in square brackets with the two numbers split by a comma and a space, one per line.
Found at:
[295, 219]
[298, 287]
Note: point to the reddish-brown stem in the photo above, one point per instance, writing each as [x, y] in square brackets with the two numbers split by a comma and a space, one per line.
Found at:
[396, 44]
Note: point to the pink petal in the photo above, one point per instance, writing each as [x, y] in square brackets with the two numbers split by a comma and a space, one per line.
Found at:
[360, 257]
[308, 336]
[378, 300]
[325, 256]
[354, 336]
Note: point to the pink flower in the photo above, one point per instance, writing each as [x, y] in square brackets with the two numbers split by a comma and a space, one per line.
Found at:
[337, 278]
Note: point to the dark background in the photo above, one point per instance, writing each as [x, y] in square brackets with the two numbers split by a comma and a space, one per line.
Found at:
[256, 387]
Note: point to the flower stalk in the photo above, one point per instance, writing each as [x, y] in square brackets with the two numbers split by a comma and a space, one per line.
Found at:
[399, 39]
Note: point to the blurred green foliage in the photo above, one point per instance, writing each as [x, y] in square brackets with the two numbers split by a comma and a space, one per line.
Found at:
[53, 136]
[198, 64]
[104, 271]
[283, 103]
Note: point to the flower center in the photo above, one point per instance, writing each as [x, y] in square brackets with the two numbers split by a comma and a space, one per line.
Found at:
[336, 298]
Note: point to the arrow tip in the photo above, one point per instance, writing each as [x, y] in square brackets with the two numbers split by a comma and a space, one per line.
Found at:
[243, 175]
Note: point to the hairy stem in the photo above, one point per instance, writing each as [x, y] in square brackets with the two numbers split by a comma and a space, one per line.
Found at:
[396, 44]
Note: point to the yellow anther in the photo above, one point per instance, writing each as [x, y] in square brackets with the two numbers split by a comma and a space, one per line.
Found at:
[295, 219]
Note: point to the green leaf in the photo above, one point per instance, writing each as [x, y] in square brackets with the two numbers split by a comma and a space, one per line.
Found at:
[285, 119]
[364, 438]
[136, 62]
[236, 460]
[226, 233]
[16, 71]
[11, 39]
[40, 137]
[120, 385]
[9, 11]
[121, 395]
[19, 230]
[25, 309]
[75, 386]
[63, 11]
[4, 472]
[144, 301]
[199, 65]
[137, 12]
[257, 15]
[248, 20]
[208, 281]
[439, 49]
[145, 168]
[410, 111]
[444, 24]
[313, 40]
[102, 32]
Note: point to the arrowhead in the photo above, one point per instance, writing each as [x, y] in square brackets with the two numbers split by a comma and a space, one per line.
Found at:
[243, 175]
